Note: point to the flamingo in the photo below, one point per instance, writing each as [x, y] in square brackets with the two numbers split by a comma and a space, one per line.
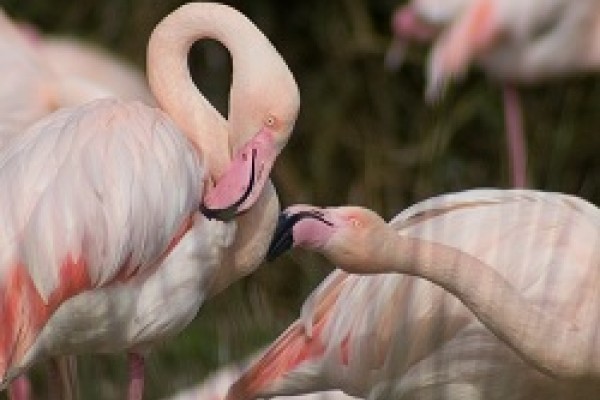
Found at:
[215, 387]
[24, 94]
[39, 79]
[71, 57]
[103, 245]
[514, 41]
[510, 295]
[42, 75]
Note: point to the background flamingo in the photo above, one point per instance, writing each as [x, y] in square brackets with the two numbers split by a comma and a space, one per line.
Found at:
[105, 248]
[515, 42]
[71, 57]
[532, 282]
[44, 74]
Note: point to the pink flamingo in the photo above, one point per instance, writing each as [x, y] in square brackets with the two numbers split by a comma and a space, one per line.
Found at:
[73, 58]
[40, 78]
[26, 94]
[514, 41]
[522, 263]
[103, 247]
[42, 75]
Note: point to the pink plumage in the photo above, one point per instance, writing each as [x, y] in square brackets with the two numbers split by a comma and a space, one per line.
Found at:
[518, 325]
[103, 246]
[88, 207]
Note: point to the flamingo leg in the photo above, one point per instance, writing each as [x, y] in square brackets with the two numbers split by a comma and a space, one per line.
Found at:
[515, 138]
[136, 376]
[62, 373]
[20, 389]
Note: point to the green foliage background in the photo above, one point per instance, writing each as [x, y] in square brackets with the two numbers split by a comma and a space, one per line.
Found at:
[364, 136]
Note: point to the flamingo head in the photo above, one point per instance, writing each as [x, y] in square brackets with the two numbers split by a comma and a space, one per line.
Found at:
[263, 108]
[345, 235]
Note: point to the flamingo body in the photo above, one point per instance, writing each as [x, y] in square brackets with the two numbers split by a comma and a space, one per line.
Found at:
[385, 336]
[137, 196]
[104, 247]
[70, 57]
[43, 74]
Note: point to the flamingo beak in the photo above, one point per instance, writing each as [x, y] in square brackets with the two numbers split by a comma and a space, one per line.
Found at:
[283, 238]
[240, 186]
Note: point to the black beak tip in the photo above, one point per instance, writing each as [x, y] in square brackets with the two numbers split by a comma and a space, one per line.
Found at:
[283, 238]
[224, 215]
[228, 213]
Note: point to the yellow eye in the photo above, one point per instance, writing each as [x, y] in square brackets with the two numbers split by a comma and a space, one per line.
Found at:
[270, 122]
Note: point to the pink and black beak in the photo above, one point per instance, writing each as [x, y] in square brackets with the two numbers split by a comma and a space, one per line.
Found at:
[240, 186]
[283, 238]
[231, 211]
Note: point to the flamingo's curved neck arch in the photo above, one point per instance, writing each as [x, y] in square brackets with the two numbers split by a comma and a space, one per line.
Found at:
[170, 79]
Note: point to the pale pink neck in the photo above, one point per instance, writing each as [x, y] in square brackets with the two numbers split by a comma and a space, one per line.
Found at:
[594, 53]
[254, 232]
[550, 344]
[170, 78]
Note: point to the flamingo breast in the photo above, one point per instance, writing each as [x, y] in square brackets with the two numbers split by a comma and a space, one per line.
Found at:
[105, 187]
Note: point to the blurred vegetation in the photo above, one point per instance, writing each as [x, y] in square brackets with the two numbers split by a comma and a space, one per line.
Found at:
[364, 136]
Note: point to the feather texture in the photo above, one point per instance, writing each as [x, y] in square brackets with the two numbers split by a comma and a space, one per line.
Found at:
[104, 202]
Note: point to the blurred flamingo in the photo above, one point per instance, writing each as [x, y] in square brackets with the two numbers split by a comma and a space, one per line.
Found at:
[103, 245]
[514, 41]
[215, 387]
[42, 74]
[523, 264]
[71, 57]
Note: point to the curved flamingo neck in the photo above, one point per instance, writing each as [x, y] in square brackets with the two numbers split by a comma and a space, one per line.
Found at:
[170, 79]
[253, 233]
[552, 345]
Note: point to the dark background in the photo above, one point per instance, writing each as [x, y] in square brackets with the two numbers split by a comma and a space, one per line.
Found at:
[364, 136]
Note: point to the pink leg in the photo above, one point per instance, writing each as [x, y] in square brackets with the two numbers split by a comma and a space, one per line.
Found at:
[20, 389]
[136, 376]
[513, 121]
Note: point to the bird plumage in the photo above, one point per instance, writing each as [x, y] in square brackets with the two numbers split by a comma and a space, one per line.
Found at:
[88, 206]
[104, 247]
[398, 336]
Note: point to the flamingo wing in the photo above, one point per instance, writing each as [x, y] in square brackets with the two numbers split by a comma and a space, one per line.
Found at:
[92, 195]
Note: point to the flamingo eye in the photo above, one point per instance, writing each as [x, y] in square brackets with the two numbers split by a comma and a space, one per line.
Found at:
[355, 222]
[271, 121]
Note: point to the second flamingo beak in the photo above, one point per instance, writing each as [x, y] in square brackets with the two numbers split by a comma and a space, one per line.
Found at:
[238, 188]
[283, 238]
